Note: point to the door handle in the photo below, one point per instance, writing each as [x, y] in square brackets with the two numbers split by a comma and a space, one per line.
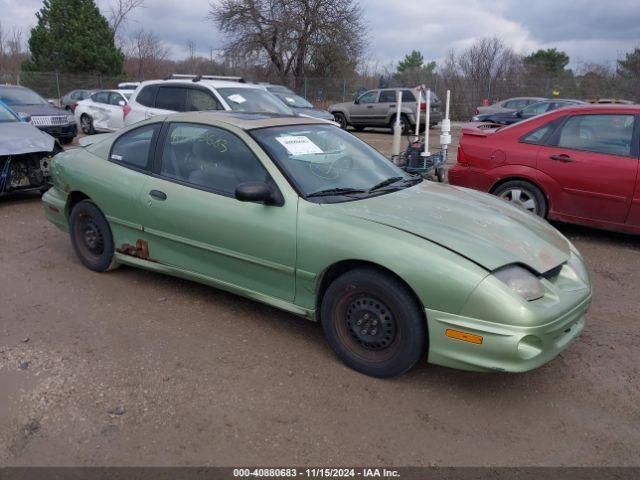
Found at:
[369, 106]
[561, 158]
[158, 194]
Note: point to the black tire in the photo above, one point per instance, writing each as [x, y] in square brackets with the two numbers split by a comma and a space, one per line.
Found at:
[358, 128]
[373, 323]
[405, 124]
[341, 119]
[524, 194]
[86, 124]
[440, 174]
[66, 140]
[91, 237]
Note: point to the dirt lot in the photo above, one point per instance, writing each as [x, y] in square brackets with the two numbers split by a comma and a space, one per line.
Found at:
[134, 368]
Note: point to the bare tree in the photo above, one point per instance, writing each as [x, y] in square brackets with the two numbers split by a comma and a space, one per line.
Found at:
[12, 50]
[293, 36]
[120, 11]
[148, 52]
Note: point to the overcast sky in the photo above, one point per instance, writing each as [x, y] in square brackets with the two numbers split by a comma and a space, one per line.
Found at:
[588, 30]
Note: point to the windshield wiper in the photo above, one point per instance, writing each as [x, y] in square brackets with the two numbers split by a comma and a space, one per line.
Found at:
[385, 182]
[336, 191]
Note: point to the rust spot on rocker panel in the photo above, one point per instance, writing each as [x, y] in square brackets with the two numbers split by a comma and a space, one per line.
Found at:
[140, 250]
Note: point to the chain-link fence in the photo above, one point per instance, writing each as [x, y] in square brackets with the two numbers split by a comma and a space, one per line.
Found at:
[467, 93]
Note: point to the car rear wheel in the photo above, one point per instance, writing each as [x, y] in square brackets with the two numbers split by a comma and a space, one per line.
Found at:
[373, 323]
[405, 124]
[341, 120]
[86, 124]
[525, 195]
[91, 237]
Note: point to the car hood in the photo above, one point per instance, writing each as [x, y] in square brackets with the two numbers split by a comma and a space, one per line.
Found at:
[38, 110]
[313, 113]
[17, 138]
[478, 226]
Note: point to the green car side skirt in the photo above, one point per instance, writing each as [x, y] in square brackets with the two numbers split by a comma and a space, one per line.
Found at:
[471, 344]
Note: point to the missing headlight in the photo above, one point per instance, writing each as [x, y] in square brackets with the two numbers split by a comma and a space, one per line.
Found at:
[521, 281]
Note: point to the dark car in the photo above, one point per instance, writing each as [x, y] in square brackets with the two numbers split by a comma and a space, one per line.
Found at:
[71, 99]
[298, 104]
[25, 154]
[530, 111]
[56, 121]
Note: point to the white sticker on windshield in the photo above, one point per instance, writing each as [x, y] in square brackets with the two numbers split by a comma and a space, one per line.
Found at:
[290, 100]
[299, 145]
[237, 98]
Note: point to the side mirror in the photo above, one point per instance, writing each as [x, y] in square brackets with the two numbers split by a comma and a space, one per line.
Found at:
[257, 192]
[122, 103]
[357, 101]
[519, 113]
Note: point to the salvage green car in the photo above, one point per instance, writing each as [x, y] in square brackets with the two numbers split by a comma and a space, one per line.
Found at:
[298, 214]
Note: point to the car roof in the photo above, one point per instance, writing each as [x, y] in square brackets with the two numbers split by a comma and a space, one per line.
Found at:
[243, 120]
[206, 82]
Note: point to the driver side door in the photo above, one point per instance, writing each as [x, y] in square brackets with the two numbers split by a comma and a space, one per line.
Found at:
[194, 223]
[363, 112]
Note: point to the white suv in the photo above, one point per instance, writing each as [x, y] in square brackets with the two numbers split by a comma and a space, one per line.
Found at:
[187, 93]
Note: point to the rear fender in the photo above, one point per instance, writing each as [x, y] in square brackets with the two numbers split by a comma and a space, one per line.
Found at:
[549, 187]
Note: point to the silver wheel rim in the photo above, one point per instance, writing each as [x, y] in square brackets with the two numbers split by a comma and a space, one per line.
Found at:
[86, 124]
[521, 197]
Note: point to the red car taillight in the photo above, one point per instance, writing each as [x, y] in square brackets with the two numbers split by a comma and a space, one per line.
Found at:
[125, 111]
[462, 157]
[423, 106]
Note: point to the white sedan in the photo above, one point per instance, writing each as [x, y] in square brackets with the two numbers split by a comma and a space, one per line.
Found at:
[102, 111]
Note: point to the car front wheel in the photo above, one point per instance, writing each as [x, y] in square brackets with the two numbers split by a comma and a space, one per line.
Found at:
[86, 124]
[525, 195]
[373, 323]
[341, 120]
[91, 237]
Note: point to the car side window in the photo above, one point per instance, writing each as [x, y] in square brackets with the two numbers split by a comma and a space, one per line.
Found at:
[369, 97]
[114, 98]
[408, 96]
[536, 108]
[516, 104]
[171, 98]
[134, 147]
[599, 133]
[540, 134]
[147, 95]
[100, 97]
[209, 157]
[388, 96]
[199, 100]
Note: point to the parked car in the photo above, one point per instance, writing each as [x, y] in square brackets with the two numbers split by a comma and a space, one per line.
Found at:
[128, 85]
[297, 103]
[71, 99]
[186, 93]
[56, 121]
[509, 105]
[577, 164]
[25, 154]
[103, 111]
[278, 209]
[610, 100]
[377, 108]
[538, 108]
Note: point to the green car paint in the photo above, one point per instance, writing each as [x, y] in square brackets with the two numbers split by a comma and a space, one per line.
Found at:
[444, 242]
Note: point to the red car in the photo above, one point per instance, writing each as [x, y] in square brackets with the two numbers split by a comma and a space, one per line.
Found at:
[577, 164]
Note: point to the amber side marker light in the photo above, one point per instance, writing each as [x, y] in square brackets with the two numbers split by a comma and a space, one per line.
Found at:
[465, 337]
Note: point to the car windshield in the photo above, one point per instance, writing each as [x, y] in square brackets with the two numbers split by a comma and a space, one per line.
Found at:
[280, 89]
[294, 101]
[21, 96]
[326, 162]
[253, 100]
[6, 116]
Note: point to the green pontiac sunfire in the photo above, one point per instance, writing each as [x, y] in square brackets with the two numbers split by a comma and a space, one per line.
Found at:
[298, 214]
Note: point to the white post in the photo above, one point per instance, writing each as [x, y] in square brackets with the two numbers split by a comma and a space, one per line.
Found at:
[427, 120]
[418, 114]
[445, 137]
[397, 129]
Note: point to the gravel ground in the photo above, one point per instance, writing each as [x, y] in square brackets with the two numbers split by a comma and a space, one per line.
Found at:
[135, 368]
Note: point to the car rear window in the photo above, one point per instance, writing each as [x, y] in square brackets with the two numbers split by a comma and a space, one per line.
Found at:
[171, 98]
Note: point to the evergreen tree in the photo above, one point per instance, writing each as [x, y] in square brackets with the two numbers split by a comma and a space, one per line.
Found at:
[72, 36]
[549, 62]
